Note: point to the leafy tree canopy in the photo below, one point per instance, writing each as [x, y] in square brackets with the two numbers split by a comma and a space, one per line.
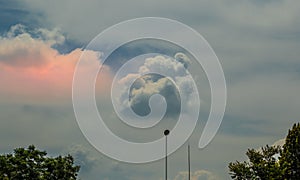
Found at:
[271, 162]
[33, 164]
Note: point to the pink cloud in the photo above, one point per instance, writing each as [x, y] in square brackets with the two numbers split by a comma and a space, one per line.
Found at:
[31, 70]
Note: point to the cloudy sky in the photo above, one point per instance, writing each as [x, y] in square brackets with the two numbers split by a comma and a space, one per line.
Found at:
[257, 43]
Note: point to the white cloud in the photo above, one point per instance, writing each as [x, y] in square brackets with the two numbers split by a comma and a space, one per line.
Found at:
[52, 36]
[15, 30]
[181, 57]
[163, 64]
[146, 86]
[197, 175]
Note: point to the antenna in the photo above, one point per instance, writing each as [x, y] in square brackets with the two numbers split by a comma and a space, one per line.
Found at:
[166, 133]
[189, 162]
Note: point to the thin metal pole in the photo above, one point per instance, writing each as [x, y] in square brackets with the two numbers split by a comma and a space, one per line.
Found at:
[166, 158]
[166, 133]
[189, 162]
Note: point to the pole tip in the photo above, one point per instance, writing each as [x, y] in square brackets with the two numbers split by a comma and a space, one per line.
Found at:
[166, 132]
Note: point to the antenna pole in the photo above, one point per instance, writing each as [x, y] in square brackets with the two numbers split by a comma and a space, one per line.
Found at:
[166, 158]
[166, 133]
[189, 162]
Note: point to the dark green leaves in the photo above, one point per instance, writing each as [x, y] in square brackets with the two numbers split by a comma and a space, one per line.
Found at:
[262, 165]
[35, 165]
[271, 162]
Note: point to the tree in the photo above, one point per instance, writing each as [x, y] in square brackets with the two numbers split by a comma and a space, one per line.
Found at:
[271, 162]
[262, 164]
[33, 164]
[290, 155]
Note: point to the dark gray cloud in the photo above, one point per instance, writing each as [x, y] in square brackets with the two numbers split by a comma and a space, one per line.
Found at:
[15, 12]
[138, 47]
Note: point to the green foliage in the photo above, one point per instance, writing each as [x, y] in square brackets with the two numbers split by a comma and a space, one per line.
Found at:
[35, 165]
[263, 164]
[290, 156]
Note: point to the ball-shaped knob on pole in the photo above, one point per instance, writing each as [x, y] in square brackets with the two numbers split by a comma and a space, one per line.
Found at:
[166, 132]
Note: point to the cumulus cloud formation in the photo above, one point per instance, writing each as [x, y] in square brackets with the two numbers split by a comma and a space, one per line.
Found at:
[162, 64]
[197, 175]
[29, 65]
[149, 84]
[19, 49]
[50, 37]
[181, 57]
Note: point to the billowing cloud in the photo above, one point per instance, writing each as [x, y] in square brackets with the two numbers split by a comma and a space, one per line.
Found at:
[163, 64]
[36, 88]
[19, 49]
[149, 84]
[181, 57]
[32, 68]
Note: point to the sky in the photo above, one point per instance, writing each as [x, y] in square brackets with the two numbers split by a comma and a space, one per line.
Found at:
[257, 43]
